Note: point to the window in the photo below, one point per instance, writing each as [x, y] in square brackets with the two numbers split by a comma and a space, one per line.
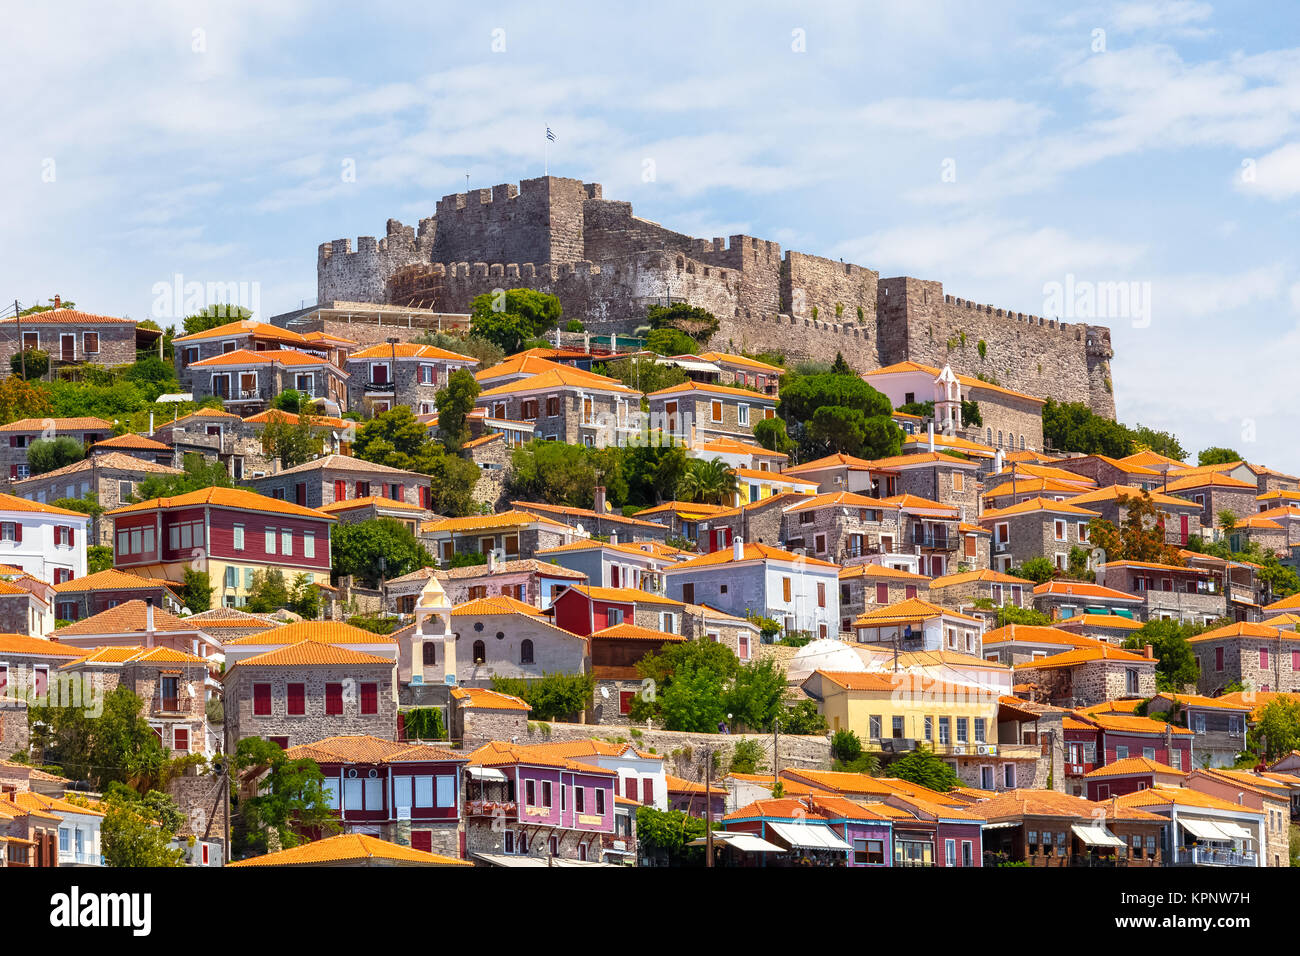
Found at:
[286, 541]
[1121, 753]
[580, 799]
[552, 406]
[181, 739]
[270, 541]
[715, 411]
[945, 730]
[370, 698]
[821, 593]
[962, 730]
[625, 698]
[929, 728]
[333, 699]
[873, 723]
[600, 801]
[979, 730]
[262, 700]
[90, 342]
[1263, 657]
[297, 699]
[309, 544]
[1009, 776]
[785, 589]
[530, 793]
[949, 852]
[742, 414]
[1059, 529]
[526, 652]
[1131, 680]
[480, 652]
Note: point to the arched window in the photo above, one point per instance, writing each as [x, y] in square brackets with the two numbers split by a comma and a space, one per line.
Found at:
[1022, 442]
[526, 652]
[999, 438]
[480, 652]
[430, 654]
[988, 436]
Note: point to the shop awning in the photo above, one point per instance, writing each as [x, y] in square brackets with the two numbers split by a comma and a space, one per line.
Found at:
[485, 773]
[809, 836]
[1001, 826]
[1204, 829]
[1096, 836]
[745, 842]
[1234, 830]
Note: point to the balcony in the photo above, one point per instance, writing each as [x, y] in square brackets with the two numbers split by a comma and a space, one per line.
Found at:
[491, 808]
[940, 541]
[1079, 769]
[380, 386]
[173, 705]
[1213, 856]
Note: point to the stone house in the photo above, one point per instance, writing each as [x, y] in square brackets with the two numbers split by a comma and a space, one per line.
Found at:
[23, 611]
[1021, 643]
[1130, 775]
[491, 452]
[336, 434]
[1111, 628]
[755, 485]
[615, 652]
[171, 684]
[1219, 726]
[1203, 829]
[1041, 828]
[516, 534]
[406, 793]
[26, 664]
[964, 589]
[479, 715]
[617, 527]
[247, 381]
[72, 337]
[743, 371]
[1040, 528]
[1181, 518]
[864, 587]
[570, 406]
[217, 436]
[1062, 599]
[611, 564]
[931, 530]
[382, 377]
[227, 623]
[374, 507]
[17, 437]
[244, 335]
[94, 593]
[1106, 471]
[584, 610]
[694, 410]
[337, 478]
[300, 693]
[136, 446]
[1170, 592]
[1084, 676]
[1272, 482]
[1261, 657]
[528, 580]
[918, 625]
[703, 623]
[761, 521]
[800, 593]
[682, 519]
[1215, 494]
[841, 526]
[840, 472]
[936, 477]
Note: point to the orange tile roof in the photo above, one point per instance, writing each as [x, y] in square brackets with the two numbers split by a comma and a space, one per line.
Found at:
[37, 646]
[1115, 492]
[560, 377]
[1036, 634]
[346, 848]
[370, 501]
[132, 440]
[726, 358]
[912, 609]
[623, 595]
[1035, 505]
[128, 617]
[1085, 589]
[243, 357]
[64, 316]
[1129, 766]
[965, 380]
[243, 327]
[1151, 459]
[1129, 723]
[710, 389]
[14, 503]
[918, 503]
[1245, 629]
[967, 577]
[1102, 620]
[223, 498]
[751, 552]
[322, 632]
[1258, 699]
[1086, 655]
[527, 363]
[366, 748]
[112, 460]
[483, 699]
[136, 655]
[500, 604]
[922, 458]
[890, 682]
[539, 506]
[837, 460]
[1209, 480]
[276, 414]
[630, 632]
[838, 781]
[774, 477]
[83, 424]
[505, 519]
[1164, 796]
[1033, 485]
[497, 753]
[840, 499]
[880, 571]
[311, 653]
[1049, 803]
[411, 350]
[110, 579]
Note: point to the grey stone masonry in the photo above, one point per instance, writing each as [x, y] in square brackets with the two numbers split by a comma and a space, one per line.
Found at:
[315, 723]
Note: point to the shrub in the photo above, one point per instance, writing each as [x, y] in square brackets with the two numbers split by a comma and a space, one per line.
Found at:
[37, 362]
[845, 746]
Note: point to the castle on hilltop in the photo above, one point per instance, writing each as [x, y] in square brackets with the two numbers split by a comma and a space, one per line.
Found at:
[608, 265]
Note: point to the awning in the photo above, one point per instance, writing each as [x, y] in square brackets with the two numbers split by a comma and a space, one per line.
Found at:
[1002, 826]
[485, 773]
[1204, 829]
[1096, 836]
[1234, 830]
[745, 842]
[809, 836]
[691, 365]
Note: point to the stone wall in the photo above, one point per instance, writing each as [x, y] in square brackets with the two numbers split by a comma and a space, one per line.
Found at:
[201, 799]
[13, 727]
[315, 724]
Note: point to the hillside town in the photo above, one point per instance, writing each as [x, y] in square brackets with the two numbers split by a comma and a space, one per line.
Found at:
[374, 584]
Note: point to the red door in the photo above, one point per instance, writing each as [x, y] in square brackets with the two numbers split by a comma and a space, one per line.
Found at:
[422, 840]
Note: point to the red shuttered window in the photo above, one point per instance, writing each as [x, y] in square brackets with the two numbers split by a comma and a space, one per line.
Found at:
[333, 699]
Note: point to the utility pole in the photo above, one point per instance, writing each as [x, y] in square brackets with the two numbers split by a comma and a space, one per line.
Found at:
[776, 724]
[708, 807]
[18, 320]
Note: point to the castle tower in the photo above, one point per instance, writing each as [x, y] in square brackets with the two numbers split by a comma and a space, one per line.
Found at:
[947, 402]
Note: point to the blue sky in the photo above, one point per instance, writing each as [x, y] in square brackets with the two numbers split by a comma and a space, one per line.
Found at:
[210, 141]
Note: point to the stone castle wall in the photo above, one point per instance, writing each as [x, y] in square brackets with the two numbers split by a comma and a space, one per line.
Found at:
[607, 266]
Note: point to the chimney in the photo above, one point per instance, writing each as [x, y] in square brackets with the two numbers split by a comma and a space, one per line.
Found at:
[58, 303]
[613, 537]
[598, 505]
[492, 561]
[738, 549]
[1148, 652]
[931, 430]
[148, 622]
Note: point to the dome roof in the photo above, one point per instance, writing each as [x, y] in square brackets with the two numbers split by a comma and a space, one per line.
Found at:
[825, 654]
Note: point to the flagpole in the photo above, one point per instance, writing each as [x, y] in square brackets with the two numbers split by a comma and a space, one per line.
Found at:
[548, 152]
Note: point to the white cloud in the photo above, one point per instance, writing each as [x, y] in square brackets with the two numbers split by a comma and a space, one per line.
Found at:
[1275, 175]
[1131, 17]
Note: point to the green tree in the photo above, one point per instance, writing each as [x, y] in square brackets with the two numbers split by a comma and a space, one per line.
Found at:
[804, 719]
[1073, 426]
[117, 746]
[670, 341]
[214, 316]
[690, 682]
[153, 376]
[30, 363]
[666, 835]
[197, 591]
[380, 547]
[290, 400]
[652, 472]
[292, 442]
[304, 597]
[394, 438]
[1162, 443]
[455, 402]
[1277, 732]
[845, 746]
[771, 434]
[512, 317]
[269, 592]
[99, 557]
[1014, 614]
[48, 454]
[551, 696]
[698, 323]
[1217, 455]
[137, 830]
[756, 697]
[487, 353]
[290, 797]
[553, 472]
[197, 473]
[643, 374]
[840, 366]
[924, 769]
[1037, 570]
[1175, 661]
[424, 723]
[747, 757]
[825, 412]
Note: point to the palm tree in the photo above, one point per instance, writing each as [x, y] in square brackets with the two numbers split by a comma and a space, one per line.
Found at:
[710, 482]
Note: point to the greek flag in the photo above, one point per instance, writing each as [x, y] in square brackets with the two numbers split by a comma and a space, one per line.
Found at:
[550, 135]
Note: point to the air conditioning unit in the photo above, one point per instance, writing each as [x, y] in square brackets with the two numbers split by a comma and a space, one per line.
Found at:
[989, 750]
[1000, 547]
[959, 749]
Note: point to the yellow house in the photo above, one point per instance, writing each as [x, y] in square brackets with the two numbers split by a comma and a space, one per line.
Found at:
[899, 710]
